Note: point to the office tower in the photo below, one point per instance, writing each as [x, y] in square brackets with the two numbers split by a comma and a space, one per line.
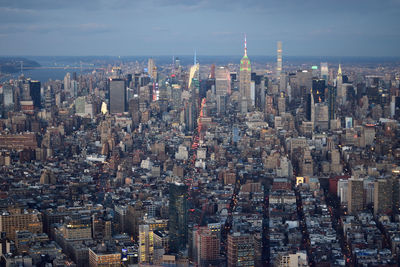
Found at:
[221, 104]
[212, 71]
[324, 72]
[281, 103]
[383, 196]
[307, 163]
[150, 67]
[355, 195]
[16, 220]
[193, 74]
[49, 98]
[177, 63]
[104, 256]
[25, 91]
[146, 244]
[240, 250]
[134, 110]
[318, 90]
[321, 116]
[8, 95]
[34, 90]
[310, 107]
[117, 95]
[178, 229]
[339, 78]
[245, 76]
[206, 246]
[120, 218]
[279, 60]
[222, 81]
[332, 102]
[67, 82]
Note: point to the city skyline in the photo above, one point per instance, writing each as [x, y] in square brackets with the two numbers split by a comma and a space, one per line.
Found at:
[120, 28]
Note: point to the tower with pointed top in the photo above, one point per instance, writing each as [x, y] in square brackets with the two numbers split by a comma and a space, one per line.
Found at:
[339, 78]
[245, 76]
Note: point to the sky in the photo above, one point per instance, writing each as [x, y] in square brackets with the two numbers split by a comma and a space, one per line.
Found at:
[211, 27]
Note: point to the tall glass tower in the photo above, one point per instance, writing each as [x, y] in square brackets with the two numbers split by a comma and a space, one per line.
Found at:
[178, 207]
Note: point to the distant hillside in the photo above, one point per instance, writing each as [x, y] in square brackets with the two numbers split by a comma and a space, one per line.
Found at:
[13, 65]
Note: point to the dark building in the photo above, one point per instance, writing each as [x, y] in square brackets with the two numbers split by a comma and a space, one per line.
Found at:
[117, 95]
[178, 228]
[34, 88]
[331, 102]
[318, 90]
[309, 106]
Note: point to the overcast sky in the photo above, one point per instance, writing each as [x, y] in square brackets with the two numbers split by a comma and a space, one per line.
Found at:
[212, 27]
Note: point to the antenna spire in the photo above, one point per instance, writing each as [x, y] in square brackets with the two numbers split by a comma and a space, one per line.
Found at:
[245, 45]
[195, 58]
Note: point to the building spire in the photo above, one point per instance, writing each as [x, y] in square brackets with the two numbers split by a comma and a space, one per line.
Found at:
[339, 72]
[245, 45]
[195, 58]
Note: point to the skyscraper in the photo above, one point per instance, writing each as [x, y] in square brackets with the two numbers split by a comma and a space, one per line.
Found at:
[240, 250]
[117, 95]
[150, 67]
[324, 71]
[245, 76]
[34, 88]
[279, 60]
[383, 196]
[178, 229]
[222, 81]
[355, 195]
[146, 244]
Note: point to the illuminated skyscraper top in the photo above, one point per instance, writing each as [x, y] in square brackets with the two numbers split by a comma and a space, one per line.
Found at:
[245, 75]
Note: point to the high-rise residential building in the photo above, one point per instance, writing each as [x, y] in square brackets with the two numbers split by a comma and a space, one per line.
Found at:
[146, 244]
[206, 246]
[240, 250]
[383, 196]
[222, 81]
[178, 228]
[279, 60]
[245, 76]
[355, 195]
[117, 95]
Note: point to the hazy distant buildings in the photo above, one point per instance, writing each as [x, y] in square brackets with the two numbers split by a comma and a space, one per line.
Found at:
[324, 72]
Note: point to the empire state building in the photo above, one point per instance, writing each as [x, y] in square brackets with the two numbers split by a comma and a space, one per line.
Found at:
[245, 76]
